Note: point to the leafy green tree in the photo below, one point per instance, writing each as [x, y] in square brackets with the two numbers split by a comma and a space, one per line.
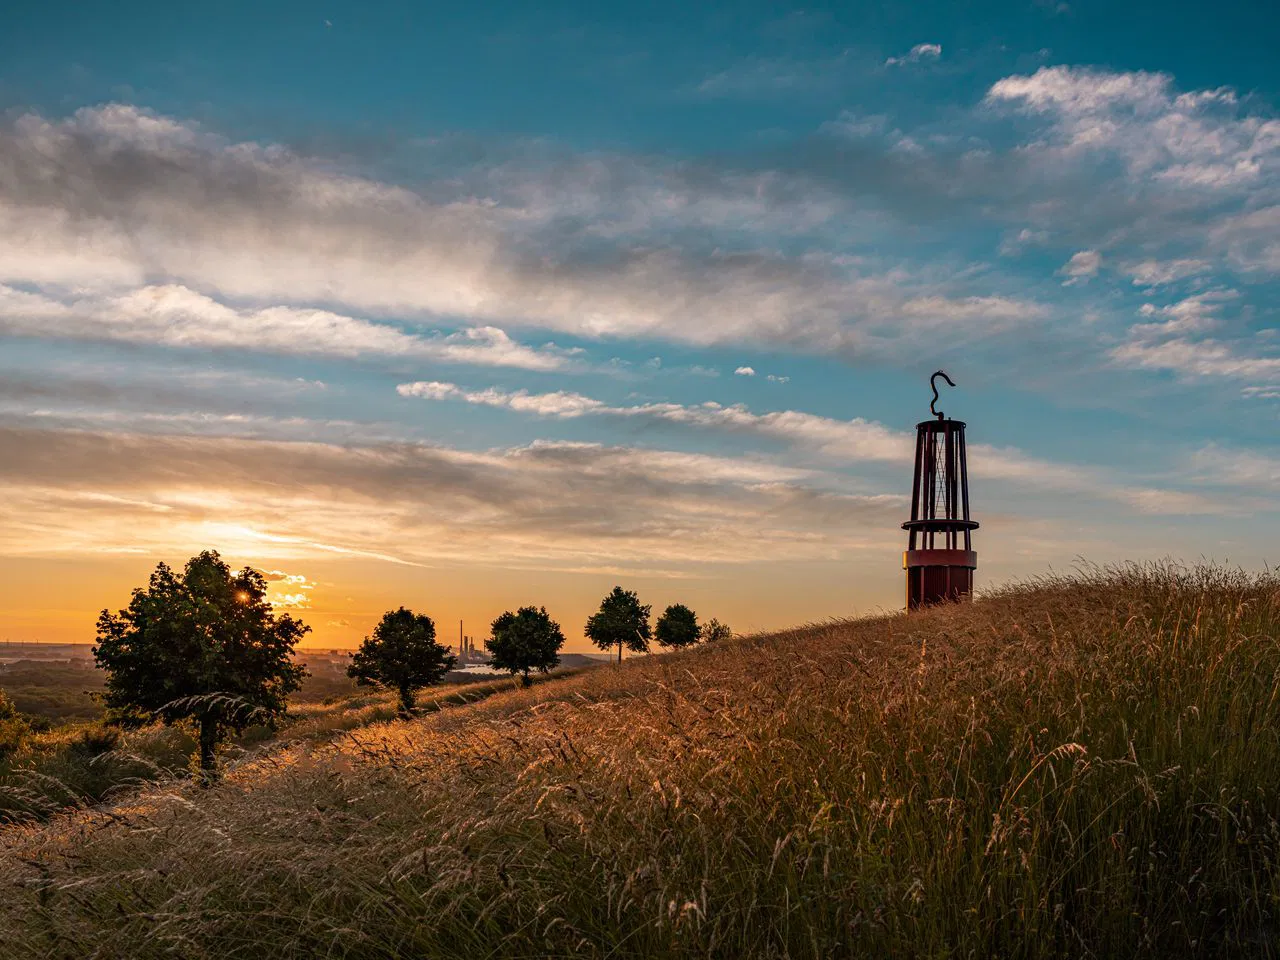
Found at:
[203, 645]
[525, 640]
[677, 627]
[714, 630]
[402, 655]
[621, 621]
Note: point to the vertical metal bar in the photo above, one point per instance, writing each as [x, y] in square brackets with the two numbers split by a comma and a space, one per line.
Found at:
[915, 486]
[931, 469]
[947, 502]
[964, 488]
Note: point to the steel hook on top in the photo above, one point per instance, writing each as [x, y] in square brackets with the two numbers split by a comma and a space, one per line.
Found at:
[943, 374]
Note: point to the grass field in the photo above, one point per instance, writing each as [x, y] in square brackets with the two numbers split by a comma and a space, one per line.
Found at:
[1085, 766]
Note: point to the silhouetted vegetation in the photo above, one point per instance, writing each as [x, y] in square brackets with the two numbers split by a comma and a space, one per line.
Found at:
[677, 627]
[401, 655]
[621, 621]
[713, 630]
[524, 641]
[203, 646]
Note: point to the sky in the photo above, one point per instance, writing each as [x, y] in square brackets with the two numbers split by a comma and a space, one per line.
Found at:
[465, 307]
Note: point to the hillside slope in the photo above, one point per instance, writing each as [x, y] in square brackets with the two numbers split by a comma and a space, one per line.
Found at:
[1078, 766]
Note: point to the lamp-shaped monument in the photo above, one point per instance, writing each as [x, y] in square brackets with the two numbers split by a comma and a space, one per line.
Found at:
[939, 559]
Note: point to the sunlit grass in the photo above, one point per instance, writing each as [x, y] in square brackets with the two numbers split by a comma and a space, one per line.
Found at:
[1076, 766]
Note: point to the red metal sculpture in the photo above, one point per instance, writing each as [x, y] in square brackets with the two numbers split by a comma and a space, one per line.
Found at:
[939, 559]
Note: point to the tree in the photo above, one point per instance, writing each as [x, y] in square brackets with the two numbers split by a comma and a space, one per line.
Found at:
[525, 640]
[677, 627]
[402, 654]
[203, 645]
[714, 630]
[621, 621]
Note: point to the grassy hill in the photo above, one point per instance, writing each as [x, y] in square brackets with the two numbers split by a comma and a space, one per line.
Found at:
[1073, 767]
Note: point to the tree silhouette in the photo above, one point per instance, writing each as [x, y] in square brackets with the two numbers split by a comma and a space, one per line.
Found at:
[402, 654]
[621, 621]
[677, 627]
[525, 640]
[204, 645]
[714, 630]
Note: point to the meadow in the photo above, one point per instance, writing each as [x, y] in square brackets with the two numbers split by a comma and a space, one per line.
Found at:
[1085, 765]
[59, 754]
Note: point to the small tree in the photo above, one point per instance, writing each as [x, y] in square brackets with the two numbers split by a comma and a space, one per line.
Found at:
[714, 630]
[677, 627]
[621, 621]
[525, 640]
[402, 654]
[203, 646]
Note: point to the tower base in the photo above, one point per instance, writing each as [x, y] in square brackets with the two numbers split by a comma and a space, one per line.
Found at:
[938, 576]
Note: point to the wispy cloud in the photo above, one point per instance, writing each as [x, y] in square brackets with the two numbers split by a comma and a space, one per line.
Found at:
[176, 316]
[856, 441]
[921, 51]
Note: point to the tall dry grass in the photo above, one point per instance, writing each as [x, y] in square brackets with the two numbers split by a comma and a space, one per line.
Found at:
[1080, 766]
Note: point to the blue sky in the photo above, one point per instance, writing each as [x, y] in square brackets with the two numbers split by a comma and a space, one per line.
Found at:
[473, 306]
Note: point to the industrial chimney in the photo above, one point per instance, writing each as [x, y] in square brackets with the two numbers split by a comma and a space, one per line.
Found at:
[939, 559]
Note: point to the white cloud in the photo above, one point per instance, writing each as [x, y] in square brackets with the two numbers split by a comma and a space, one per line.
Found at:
[1195, 314]
[848, 441]
[776, 379]
[1251, 240]
[921, 51]
[116, 199]
[1154, 273]
[745, 372]
[1243, 468]
[1083, 265]
[1193, 140]
[176, 316]
[1203, 358]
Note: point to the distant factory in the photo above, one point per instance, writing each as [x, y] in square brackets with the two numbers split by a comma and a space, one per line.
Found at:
[466, 650]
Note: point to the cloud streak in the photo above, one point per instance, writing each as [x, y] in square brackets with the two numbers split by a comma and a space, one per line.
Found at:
[855, 441]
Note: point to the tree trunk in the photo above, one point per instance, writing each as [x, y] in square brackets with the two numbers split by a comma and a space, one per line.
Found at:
[525, 681]
[406, 699]
[619, 651]
[208, 742]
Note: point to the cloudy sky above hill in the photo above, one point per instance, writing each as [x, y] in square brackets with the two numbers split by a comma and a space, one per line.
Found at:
[469, 307]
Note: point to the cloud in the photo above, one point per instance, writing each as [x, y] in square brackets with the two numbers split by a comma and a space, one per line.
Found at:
[1154, 273]
[776, 379]
[1195, 314]
[1242, 468]
[542, 505]
[1082, 265]
[176, 316]
[1194, 359]
[921, 51]
[856, 441]
[1191, 140]
[1251, 240]
[149, 221]
[745, 372]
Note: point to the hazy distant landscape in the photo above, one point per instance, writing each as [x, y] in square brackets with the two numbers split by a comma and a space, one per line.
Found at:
[57, 682]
